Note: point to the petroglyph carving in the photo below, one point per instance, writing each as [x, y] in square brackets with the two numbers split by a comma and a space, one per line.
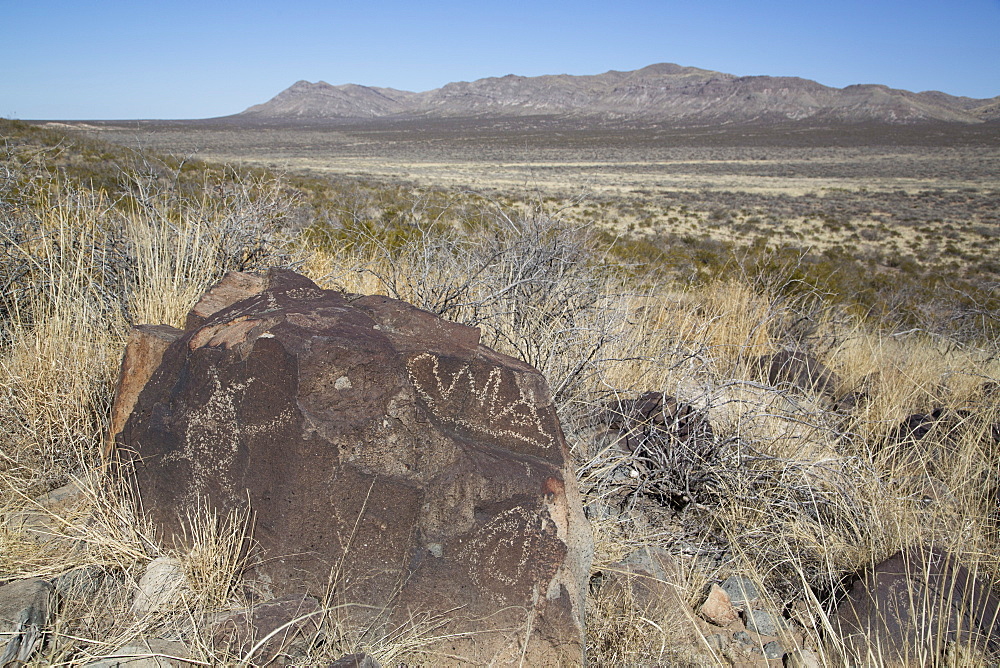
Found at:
[213, 434]
[304, 293]
[495, 406]
[504, 553]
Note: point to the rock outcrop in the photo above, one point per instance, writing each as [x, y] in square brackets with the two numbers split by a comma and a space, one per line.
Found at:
[394, 467]
[913, 605]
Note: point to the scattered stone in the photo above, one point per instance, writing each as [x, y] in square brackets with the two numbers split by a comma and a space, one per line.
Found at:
[159, 586]
[917, 426]
[955, 654]
[889, 608]
[80, 582]
[44, 521]
[653, 562]
[851, 400]
[270, 632]
[654, 576]
[802, 658]
[380, 443]
[24, 613]
[743, 637]
[153, 653]
[800, 370]
[355, 661]
[763, 623]
[947, 427]
[773, 650]
[717, 608]
[741, 590]
[598, 511]
[717, 641]
[801, 613]
[739, 656]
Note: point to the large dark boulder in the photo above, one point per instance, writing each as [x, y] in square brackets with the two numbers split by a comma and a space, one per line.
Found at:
[907, 609]
[394, 467]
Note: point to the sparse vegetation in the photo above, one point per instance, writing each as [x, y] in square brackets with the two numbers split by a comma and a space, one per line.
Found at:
[801, 488]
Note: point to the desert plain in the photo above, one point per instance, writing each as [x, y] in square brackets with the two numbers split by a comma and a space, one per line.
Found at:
[928, 193]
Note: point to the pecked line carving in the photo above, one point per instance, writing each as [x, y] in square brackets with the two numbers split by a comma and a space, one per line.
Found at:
[491, 403]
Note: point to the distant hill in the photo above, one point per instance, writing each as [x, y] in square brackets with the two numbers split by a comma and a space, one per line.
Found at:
[321, 100]
[658, 93]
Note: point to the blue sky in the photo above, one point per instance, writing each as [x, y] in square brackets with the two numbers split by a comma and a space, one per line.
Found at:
[183, 59]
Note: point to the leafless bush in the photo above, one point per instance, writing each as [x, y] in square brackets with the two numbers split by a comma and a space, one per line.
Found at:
[673, 448]
[529, 283]
[50, 232]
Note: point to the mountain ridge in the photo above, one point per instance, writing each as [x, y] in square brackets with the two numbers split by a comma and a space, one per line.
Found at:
[663, 92]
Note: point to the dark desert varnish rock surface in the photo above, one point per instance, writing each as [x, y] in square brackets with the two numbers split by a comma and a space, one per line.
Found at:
[912, 605]
[390, 461]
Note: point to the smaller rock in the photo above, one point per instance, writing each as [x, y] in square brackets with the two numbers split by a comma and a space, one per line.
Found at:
[596, 582]
[361, 660]
[147, 654]
[43, 521]
[271, 630]
[652, 562]
[799, 369]
[741, 590]
[743, 637]
[654, 578]
[962, 654]
[802, 614]
[598, 511]
[802, 658]
[773, 650]
[24, 614]
[763, 623]
[717, 641]
[891, 603]
[918, 425]
[79, 582]
[159, 585]
[717, 608]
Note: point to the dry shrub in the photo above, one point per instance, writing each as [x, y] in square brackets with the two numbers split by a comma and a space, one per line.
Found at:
[213, 553]
[806, 492]
[529, 283]
[77, 270]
